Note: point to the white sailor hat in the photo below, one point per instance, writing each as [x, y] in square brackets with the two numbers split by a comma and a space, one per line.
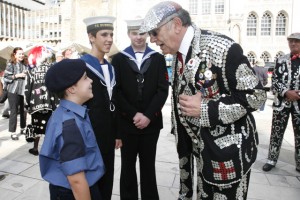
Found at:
[294, 36]
[59, 53]
[99, 23]
[134, 24]
[158, 14]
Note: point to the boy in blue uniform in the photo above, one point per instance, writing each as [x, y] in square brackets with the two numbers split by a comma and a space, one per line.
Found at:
[70, 159]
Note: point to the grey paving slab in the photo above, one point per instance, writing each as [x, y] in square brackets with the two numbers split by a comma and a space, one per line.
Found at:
[165, 179]
[33, 172]
[267, 192]
[13, 167]
[283, 181]
[23, 156]
[38, 191]
[259, 178]
[167, 193]
[8, 194]
[17, 183]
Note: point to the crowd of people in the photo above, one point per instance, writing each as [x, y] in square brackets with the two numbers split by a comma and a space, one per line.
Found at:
[87, 107]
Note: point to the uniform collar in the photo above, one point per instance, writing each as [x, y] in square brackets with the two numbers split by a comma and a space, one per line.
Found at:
[74, 107]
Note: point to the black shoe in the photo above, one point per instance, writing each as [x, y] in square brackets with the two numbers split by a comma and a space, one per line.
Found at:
[5, 115]
[14, 137]
[267, 167]
[34, 152]
[2, 177]
[298, 170]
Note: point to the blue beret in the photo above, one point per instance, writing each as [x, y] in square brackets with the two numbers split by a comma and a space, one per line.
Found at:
[64, 74]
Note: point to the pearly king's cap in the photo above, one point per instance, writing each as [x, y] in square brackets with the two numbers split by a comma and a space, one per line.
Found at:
[294, 36]
[134, 24]
[158, 14]
[99, 23]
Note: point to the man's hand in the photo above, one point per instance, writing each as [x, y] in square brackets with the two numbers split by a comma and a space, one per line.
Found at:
[190, 105]
[292, 95]
[118, 144]
[141, 121]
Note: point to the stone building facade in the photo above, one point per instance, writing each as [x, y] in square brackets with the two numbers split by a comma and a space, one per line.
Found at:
[260, 26]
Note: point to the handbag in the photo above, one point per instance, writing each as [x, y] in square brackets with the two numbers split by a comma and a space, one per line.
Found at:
[29, 133]
[3, 97]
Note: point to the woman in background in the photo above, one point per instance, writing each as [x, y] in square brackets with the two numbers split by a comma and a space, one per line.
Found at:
[14, 76]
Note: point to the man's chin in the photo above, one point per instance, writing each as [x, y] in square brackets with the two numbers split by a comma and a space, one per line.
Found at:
[165, 52]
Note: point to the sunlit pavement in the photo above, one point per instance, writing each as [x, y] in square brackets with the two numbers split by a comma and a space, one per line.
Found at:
[22, 178]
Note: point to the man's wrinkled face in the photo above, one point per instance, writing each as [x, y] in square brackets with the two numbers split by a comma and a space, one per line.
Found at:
[164, 36]
[294, 45]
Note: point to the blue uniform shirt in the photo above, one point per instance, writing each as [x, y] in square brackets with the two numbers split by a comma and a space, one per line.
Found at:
[70, 146]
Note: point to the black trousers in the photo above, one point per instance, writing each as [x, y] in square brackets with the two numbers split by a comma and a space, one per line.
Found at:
[279, 123]
[144, 146]
[106, 182]
[61, 193]
[187, 153]
[16, 101]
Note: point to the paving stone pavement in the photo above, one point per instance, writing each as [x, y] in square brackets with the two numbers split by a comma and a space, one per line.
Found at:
[23, 181]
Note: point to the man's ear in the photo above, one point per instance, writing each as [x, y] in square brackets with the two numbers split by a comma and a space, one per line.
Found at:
[177, 24]
[91, 37]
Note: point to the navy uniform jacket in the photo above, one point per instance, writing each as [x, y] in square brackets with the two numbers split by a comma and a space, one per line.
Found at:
[70, 146]
[102, 109]
[285, 77]
[144, 90]
[225, 132]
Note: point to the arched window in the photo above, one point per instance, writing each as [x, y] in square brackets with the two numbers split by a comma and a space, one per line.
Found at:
[251, 57]
[280, 24]
[219, 6]
[193, 7]
[266, 24]
[265, 56]
[206, 4]
[251, 25]
[279, 54]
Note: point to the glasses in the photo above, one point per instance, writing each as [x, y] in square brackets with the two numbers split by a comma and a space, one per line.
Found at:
[155, 31]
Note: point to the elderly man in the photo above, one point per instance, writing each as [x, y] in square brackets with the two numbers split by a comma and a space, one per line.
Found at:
[285, 81]
[217, 129]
